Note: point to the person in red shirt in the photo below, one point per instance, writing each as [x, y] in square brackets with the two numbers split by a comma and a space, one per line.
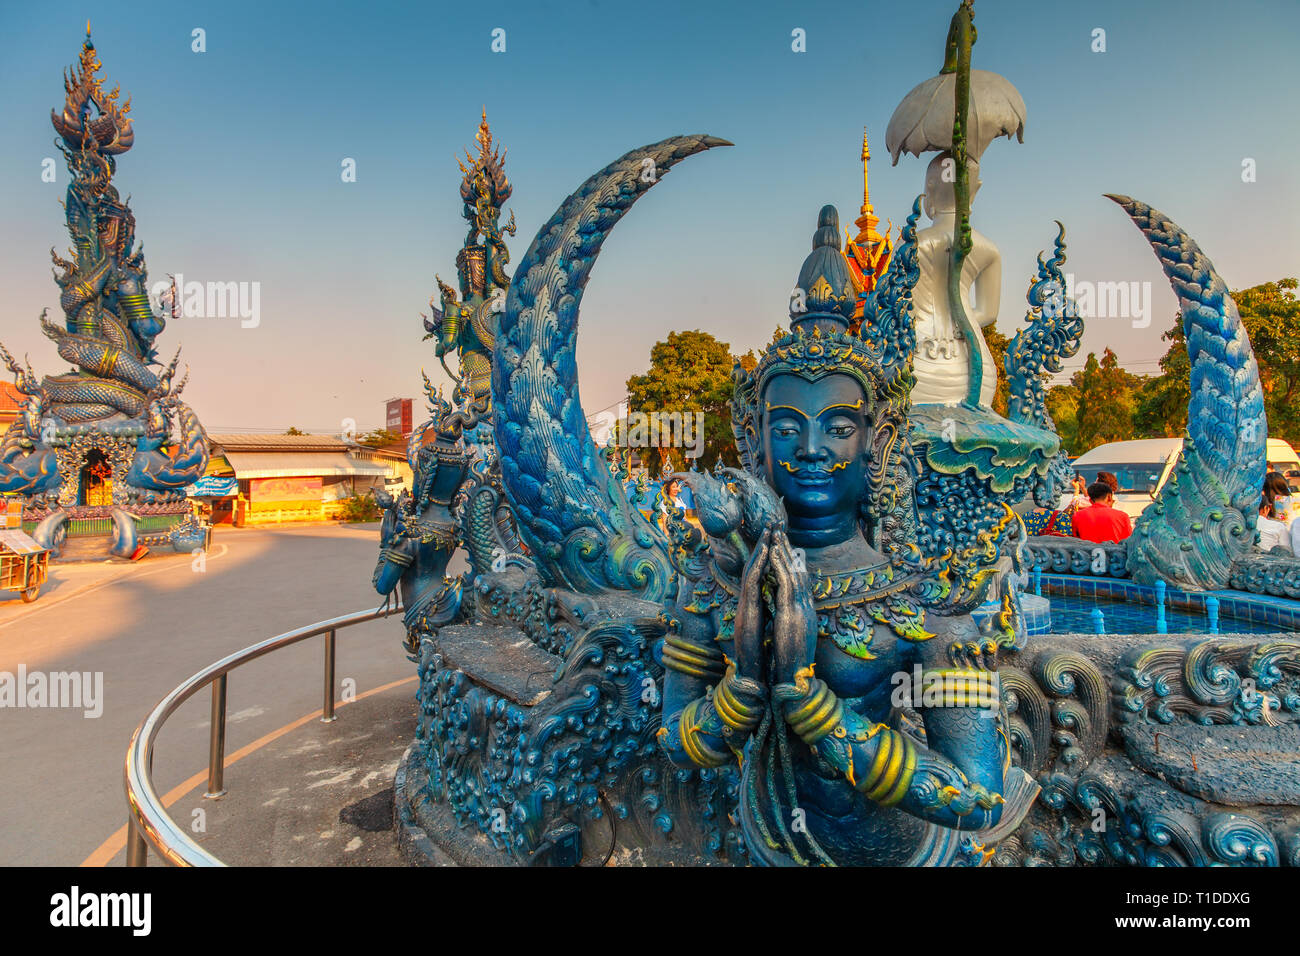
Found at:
[1101, 521]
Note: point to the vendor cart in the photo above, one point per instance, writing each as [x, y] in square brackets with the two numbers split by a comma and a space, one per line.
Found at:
[24, 564]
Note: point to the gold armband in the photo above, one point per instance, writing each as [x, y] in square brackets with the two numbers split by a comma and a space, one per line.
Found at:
[694, 660]
[962, 687]
[701, 753]
[890, 774]
[739, 702]
[817, 714]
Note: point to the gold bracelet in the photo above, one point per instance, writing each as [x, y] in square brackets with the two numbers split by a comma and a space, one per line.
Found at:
[692, 659]
[701, 753]
[890, 774]
[731, 706]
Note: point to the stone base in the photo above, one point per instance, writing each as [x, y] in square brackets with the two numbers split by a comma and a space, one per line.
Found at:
[412, 839]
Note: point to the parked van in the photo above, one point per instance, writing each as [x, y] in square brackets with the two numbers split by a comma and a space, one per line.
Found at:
[1281, 457]
[1141, 466]
[1144, 465]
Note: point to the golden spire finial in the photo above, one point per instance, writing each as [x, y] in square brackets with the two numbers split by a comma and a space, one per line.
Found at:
[868, 220]
[866, 191]
[869, 252]
[484, 135]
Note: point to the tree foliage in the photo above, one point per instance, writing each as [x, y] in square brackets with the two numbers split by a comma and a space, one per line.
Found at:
[379, 438]
[1105, 403]
[1271, 314]
[998, 344]
[1104, 410]
[1160, 409]
[690, 372]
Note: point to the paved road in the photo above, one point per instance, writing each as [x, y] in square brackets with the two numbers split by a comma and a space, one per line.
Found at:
[148, 626]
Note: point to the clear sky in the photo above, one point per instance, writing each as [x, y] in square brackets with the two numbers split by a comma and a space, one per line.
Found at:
[235, 174]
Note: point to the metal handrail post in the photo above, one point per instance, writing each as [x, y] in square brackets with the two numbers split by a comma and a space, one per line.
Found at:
[137, 850]
[327, 711]
[217, 740]
[151, 828]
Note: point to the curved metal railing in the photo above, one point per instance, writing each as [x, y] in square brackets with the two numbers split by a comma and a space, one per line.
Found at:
[148, 822]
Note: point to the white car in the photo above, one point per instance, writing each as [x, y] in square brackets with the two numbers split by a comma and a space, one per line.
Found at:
[1143, 466]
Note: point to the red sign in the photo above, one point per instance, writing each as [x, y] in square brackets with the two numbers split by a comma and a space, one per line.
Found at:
[397, 416]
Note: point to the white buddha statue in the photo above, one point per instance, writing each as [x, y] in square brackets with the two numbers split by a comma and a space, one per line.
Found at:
[941, 363]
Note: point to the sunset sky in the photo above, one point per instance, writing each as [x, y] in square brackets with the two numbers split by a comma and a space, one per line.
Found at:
[235, 173]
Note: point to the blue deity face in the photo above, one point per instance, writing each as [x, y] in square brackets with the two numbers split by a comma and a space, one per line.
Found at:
[816, 445]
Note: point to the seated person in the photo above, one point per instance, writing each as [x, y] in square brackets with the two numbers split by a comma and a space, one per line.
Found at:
[1076, 497]
[1272, 532]
[1101, 521]
[1278, 493]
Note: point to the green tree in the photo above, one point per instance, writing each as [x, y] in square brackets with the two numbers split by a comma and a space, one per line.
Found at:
[1271, 314]
[998, 344]
[690, 372]
[294, 430]
[379, 438]
[1160, 406]
[1104, 411]
[1063, 405]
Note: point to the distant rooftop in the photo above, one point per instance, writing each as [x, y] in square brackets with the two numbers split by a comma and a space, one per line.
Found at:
[251, 441]
[10, 398]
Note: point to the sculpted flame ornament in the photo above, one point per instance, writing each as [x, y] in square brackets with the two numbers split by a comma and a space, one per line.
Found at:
[572, 514]
[1203, 518]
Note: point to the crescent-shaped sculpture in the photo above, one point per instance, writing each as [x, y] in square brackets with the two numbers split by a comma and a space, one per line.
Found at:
[1204, 517]
[574, 517]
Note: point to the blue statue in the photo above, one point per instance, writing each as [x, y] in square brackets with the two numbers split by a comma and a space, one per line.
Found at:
[773, 631]
[465, 325]
[789, 665]
[114, 417]
[455, 502]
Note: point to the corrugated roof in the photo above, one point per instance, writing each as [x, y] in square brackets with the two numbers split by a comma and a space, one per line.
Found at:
[255, 442]
[19, 542]
[10, 398]
[296, 464]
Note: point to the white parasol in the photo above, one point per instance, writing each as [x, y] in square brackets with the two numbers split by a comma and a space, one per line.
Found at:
[923, 120]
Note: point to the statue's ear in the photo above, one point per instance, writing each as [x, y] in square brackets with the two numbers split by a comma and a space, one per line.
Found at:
[882, 448]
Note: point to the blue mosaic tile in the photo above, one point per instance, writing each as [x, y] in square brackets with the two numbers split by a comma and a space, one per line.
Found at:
[1129, 608]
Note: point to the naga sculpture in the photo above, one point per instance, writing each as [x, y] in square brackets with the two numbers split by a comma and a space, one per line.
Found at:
[114, 408]
[456, 502]
[1203, 519]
